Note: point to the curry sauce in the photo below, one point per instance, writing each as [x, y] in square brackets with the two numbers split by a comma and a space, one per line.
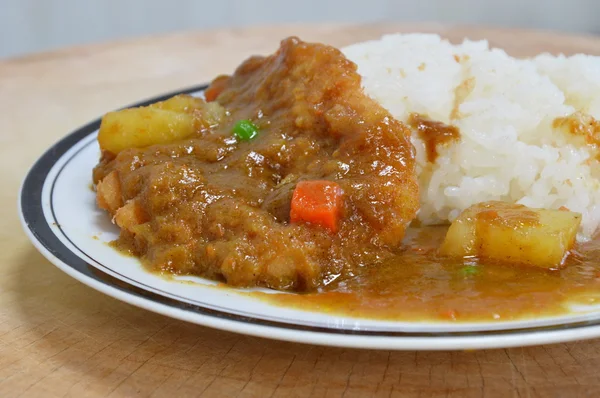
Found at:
[417, 284]
[225, 189]
[433, 133]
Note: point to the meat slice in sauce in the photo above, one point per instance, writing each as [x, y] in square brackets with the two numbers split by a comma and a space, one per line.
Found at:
[219, 207]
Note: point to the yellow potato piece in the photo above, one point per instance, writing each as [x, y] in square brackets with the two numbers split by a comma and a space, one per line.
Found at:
[159, 123]
[209, 113]
[514, 234]
[141, 127]
[180, 103]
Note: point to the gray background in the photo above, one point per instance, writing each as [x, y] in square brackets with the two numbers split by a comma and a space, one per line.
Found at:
[28, 26]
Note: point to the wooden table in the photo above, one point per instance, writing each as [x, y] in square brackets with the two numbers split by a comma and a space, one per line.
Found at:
[61, 338]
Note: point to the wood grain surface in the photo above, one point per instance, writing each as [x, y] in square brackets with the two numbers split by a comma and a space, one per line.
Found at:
[60, 338]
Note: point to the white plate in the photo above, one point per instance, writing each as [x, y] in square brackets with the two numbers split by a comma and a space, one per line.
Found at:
[59, 214]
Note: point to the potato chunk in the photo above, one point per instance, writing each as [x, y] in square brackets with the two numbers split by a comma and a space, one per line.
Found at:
[159, 123]
[210, 113]
[512, 233]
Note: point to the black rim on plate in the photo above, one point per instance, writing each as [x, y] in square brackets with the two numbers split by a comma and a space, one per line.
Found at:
[35, 221]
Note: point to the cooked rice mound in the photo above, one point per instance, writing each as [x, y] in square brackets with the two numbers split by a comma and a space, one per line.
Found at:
[513, 144]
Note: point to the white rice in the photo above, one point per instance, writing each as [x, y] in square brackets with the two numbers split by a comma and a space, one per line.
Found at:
[508, 149]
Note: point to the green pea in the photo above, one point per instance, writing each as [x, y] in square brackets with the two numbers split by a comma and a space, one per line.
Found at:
[245, 130]
[469, 270]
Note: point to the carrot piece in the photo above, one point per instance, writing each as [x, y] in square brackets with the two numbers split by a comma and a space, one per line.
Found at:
[317, 202]
[215, 88]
